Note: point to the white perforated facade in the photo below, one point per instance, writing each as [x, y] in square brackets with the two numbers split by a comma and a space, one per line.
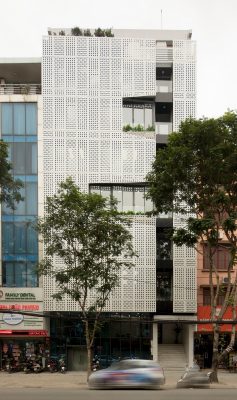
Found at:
[84, 81]
[184, 81]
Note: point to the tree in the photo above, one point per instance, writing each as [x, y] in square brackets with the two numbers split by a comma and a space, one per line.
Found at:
[197, 173]
[91, 237]
[76, 31]
[9, 193]
[99, 32]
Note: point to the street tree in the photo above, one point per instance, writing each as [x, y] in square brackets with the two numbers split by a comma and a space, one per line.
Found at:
[93, 241]
[9, 187]
[196, 174]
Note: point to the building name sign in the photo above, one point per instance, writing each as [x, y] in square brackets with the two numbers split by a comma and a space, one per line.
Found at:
[19, 296]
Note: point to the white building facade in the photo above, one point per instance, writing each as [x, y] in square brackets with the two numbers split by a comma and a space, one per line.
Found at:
[107, 104]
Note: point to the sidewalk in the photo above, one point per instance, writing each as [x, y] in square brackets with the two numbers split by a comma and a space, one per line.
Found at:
[77, 380]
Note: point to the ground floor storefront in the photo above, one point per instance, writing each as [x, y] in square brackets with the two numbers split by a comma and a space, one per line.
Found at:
[203, 350]
[120, 336]
[18, 349]
[203, 339]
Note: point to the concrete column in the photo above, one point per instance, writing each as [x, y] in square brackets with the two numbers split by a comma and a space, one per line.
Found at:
[191, 329]
[154, 347]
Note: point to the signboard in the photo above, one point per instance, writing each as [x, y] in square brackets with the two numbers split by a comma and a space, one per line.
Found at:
[39, 332]
[21, 321]
[21, 294]
[204, 314]
[12, 319]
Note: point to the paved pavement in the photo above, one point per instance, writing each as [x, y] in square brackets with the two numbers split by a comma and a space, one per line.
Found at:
[77, 380]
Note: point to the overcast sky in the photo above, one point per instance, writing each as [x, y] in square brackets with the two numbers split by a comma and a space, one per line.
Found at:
[213, 23]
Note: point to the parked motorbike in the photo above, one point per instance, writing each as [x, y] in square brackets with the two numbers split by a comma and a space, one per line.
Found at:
[95, 364]
[52, 366]
[194, 377]
[12, 366]
[28, 366]
[62, 365]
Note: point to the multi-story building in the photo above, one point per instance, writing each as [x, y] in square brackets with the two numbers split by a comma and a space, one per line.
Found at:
[21, 128]
[204, 335]
[107, 104]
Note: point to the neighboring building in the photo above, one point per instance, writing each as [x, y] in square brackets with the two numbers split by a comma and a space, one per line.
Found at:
[204, 335]
[108, 103]
[21, 128]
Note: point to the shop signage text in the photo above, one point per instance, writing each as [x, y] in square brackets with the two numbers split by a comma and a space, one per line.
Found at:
[19, 296]
[20, 307]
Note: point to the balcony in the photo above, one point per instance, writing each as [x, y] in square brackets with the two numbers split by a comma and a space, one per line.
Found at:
[23, 89]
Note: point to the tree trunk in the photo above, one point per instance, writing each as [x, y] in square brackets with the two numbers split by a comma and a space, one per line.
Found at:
[88, 347]
[215, 358]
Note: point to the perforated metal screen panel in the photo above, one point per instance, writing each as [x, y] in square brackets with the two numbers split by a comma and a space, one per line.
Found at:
[184, 81]
[84, 81]
[184, 273]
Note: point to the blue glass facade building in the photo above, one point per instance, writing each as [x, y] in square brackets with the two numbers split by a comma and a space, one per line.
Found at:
[19, 239]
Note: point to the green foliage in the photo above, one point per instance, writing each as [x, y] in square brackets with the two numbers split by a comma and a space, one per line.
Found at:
[198, 168]
[99, 32]
[103, 32]
[108, 32]
[87, 32]
[138, 128]
[76, 31]
[90, 236]
[150, 128]
[197, 173]
[127, 128]
[9, 193]
[62, 33]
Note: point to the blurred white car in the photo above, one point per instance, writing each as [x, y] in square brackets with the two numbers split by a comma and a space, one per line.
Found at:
[132, 373]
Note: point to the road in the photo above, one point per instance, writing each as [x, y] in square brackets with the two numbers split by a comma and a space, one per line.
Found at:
[84, 394]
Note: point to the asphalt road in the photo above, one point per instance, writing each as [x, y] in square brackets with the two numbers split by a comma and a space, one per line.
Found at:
[72, 394]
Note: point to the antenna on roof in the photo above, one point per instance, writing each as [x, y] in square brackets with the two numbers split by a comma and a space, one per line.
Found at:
[161, 19]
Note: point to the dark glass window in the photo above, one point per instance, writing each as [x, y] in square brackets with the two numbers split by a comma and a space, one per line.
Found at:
[221, 257]
[19, 158]
[207, 296]
[19, 238]
[163, 73]
[19, 274]
[7, 238]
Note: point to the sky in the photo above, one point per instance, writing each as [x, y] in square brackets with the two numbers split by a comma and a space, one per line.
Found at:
[213, 24]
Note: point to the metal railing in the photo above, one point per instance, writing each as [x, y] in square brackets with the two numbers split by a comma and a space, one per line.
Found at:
[164, 54]
[30, 88]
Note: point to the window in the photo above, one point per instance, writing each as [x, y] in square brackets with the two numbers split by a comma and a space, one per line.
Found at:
[19, 274]
[7, 120]
[19, 238]
[127, 199]
[221, 257]
[19, 119]
[207, 296]
[24, 158]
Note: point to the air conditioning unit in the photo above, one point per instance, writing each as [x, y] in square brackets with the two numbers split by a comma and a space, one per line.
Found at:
[225, 279]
